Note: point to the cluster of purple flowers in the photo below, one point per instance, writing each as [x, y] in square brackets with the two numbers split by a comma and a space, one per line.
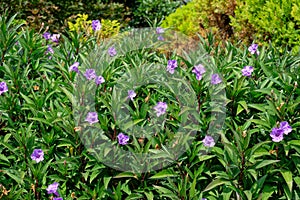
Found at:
[3, 87]
[160, 31]
[54, 37]
[38, 156]
[278, 133]
[90, 74]
[52, 189]
[198, 70]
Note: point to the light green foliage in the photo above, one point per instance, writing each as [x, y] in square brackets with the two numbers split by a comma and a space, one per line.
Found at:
[184, 19]
[81, 24]
[201, 16]
[108, 29]
[276, 20]
[247, 20]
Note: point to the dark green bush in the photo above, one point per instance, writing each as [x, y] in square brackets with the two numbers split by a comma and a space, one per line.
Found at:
[147, 12]
[56, 13]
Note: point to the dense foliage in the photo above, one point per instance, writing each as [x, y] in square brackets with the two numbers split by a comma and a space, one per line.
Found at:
[43, 152]
[241, 20]
[56, 14]
[276, 20]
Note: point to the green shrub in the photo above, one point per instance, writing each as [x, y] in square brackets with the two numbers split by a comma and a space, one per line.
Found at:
[82, 25]
[276, 20]
[201, 16]
[41, 109]
[147, 12]
[56, 13]
[184, 19]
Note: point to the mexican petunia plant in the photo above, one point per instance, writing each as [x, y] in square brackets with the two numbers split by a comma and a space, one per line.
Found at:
[103, 97]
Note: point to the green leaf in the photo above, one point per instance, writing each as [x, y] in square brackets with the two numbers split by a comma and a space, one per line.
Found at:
[242, 105]
[288, 177]
[264, 163]
[126, 175]
[214, 184]
[267, 192]
[294, 142]
[206, 157]
[166, 192]
[164, 174]
[149, 195]
[106, 181]
[3, 157]
[259, 107]
[297, 181]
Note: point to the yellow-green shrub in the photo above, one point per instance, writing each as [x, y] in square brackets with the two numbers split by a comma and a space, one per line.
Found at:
[81, 24]
[247, 20]
[275, 20]
[201, 16]
[108, 29]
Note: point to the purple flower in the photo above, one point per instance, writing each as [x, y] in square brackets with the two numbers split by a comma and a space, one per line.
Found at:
[3, 87]
[52, 188]
[122, 139]
[277, 134]
[90, 74]
[37, 155]
[161, 38]
[74, 67]
[172, 64]
[160, 108]
[215, 79]
[285, 127]
[99, 80]
[159, 30]
[92, 118]
[96, 25]
[208, 141]
[199, 70]
[253, 49]
[55, 38]
[112, 51]
[58, 198]
[131, 94]
[49, 50]
[47, 35]
[247, 70]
